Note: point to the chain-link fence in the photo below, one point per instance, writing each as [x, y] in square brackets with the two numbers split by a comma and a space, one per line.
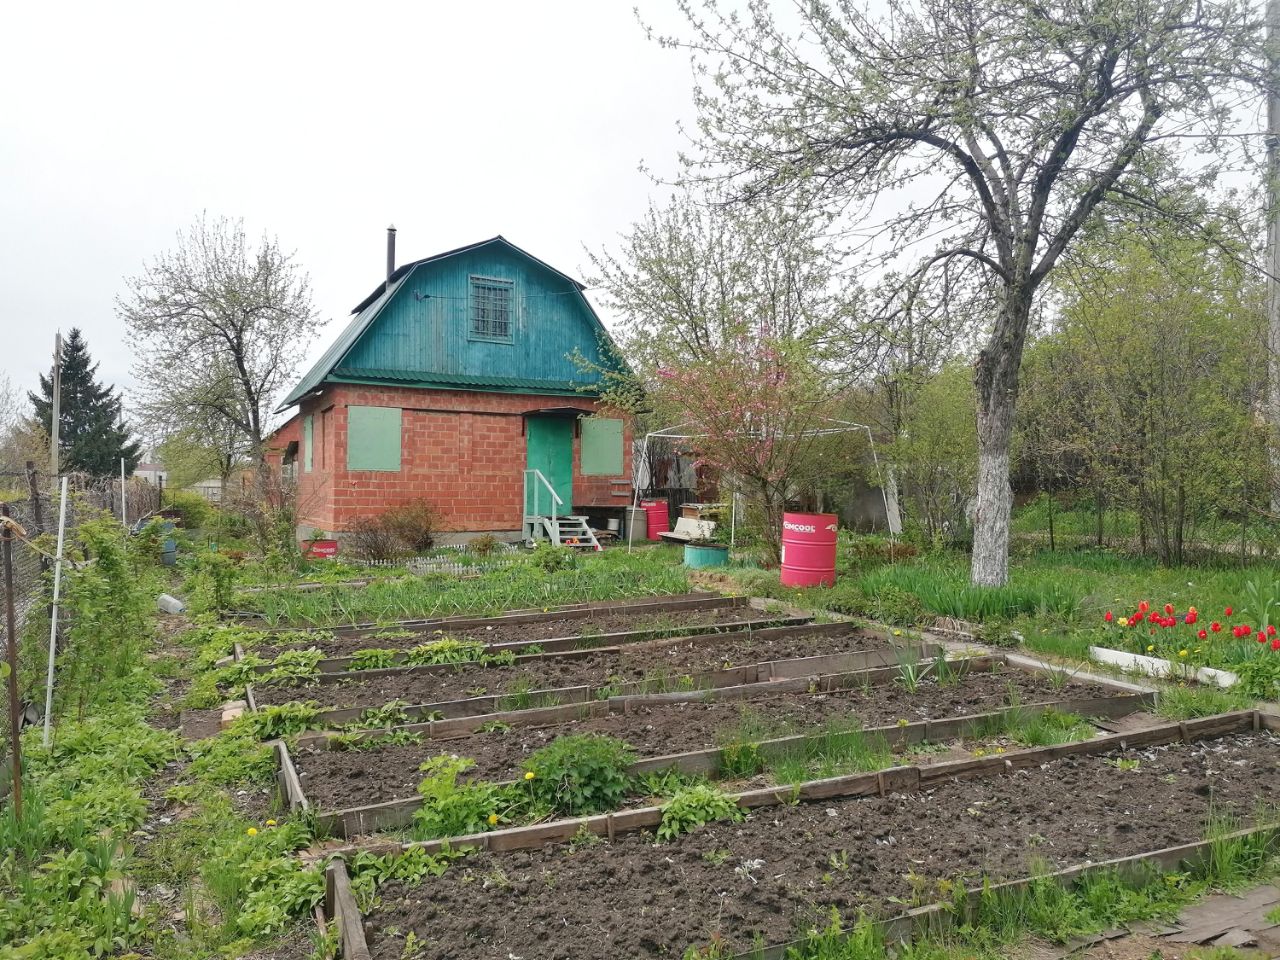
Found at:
[33, 504]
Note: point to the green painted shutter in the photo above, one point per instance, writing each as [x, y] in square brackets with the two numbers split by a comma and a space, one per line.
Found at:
[373, 438]
[601, 447]
[308, 437]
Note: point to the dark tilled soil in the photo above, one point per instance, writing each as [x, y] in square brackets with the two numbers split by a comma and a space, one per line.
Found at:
[336, 780]
[785, 867]
[532, 632]
[668, 660]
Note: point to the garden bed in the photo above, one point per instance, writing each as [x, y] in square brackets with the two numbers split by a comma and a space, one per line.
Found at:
[336, 779]
[686, 663]
[549, 635]
[586, 608]
[788, 865]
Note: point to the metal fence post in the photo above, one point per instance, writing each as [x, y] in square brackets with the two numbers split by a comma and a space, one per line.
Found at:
[11, 626]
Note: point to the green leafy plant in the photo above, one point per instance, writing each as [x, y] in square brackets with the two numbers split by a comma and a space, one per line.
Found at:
[583, 773]
[694, 807]
[285, 720]
[451, 808]
[444, 650]
[390, 714]
[374, 658]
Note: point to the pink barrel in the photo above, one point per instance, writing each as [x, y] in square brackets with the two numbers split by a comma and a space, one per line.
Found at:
[809, 549]
[657, 517]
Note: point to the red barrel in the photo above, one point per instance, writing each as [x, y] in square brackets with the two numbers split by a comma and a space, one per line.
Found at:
[657, 517]
[809, 549]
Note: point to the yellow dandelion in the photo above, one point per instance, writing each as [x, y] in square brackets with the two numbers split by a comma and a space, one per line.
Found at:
[999, 749]
[1150, 647]
[252, 831]
[530, 775]
[1182, 653]
[903, 721]
[979, 753]
[271, 823]
[493, 819]
[897, 633]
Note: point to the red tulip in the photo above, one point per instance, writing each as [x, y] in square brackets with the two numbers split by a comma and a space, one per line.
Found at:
[1170, 621]
[1271, 630]
[1108, 617]
[1168, 608]
[1275, 644]
[1202, 634]
[1227, 612]
[1216, 627]
[1190, 618]
[1262, 637]
[1143, 607]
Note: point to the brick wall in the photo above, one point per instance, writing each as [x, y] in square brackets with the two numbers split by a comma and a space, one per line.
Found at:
[463, 451]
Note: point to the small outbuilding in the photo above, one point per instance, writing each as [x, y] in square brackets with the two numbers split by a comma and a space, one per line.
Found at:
[471, 380]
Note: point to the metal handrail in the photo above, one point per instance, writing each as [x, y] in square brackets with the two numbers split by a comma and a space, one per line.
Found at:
[555, 497]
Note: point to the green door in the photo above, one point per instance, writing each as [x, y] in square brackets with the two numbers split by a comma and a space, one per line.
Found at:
[549, 448]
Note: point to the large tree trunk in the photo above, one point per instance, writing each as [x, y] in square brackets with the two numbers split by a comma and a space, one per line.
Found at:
[996, 379]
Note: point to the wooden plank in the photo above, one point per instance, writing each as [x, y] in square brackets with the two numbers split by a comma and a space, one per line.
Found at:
[938, 918]
[1035, 665]
[341, 907]
[291, 785]
[249, 698]
[566, 647]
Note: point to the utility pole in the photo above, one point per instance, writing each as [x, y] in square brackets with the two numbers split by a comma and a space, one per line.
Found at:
[56, 418]
[1273, 244]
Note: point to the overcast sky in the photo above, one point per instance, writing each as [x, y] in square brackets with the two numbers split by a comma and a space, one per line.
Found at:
[321, 124]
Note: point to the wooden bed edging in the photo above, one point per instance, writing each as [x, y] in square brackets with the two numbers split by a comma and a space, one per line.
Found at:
[939, 917]
[903, 779]
[392, 814]
[287, 777]
[337, 669]
[899, 928]
[340, 907]
[798, 670]
[569, 611]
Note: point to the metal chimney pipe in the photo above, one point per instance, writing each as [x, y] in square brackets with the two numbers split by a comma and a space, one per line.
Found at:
[391, 253]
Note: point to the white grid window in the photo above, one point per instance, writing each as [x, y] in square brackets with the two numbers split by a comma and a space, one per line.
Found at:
[492, 309]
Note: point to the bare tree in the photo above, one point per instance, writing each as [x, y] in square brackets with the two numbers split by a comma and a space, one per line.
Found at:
[220, 328]
[991, 130]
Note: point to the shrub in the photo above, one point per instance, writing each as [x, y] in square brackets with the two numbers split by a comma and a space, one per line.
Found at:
[414, 523]
[373, 540]
[195, 512]
[484, 545]
[211, 583]
[583, 773]
[694, 807]
[552, 558]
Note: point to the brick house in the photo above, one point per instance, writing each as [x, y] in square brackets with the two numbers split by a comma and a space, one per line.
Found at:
[455, 383]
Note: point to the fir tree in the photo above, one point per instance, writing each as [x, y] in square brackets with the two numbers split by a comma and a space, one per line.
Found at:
[92, 437]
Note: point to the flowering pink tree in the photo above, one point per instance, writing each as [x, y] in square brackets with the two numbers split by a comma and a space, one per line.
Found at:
[754, 409]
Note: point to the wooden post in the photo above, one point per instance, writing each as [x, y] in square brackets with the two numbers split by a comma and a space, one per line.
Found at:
[11, 625]
[37, 512]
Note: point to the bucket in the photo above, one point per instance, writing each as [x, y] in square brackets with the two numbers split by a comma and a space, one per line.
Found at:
[169, 552]
[696, 557]
[808, 549]
[613, 524]
[659, 518]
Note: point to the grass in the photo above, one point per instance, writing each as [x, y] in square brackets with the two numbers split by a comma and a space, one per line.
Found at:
[609, 575]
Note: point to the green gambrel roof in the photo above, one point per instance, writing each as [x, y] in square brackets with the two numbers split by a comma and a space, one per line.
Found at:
[329, 367]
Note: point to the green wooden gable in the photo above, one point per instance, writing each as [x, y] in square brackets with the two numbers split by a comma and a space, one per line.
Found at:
[488, 316]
